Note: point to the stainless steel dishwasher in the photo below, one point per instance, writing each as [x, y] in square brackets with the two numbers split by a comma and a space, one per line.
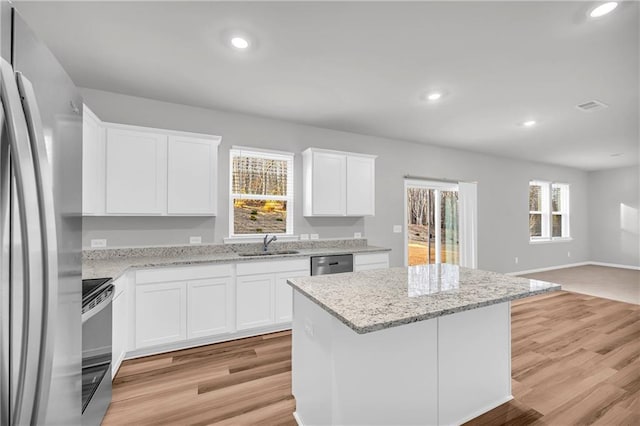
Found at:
[323, 265]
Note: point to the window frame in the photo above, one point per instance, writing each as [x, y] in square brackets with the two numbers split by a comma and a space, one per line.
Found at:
[289, 157]
[547, 213]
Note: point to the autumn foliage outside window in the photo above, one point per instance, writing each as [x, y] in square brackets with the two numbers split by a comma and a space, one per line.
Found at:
[261, 192]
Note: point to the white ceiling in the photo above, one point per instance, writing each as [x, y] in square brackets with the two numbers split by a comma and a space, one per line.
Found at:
[362, 67]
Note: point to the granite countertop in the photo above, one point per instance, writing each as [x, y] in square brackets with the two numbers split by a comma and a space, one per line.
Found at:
[374, 300]
[115, 262]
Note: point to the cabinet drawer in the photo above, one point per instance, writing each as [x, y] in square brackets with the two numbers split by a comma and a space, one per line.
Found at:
[366, 259]
[157, 275]
[269, 267]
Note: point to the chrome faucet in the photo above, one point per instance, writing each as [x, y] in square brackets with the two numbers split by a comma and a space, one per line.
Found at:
[268, 241]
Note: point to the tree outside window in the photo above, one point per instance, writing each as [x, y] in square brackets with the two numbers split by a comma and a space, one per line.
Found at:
[261, 192]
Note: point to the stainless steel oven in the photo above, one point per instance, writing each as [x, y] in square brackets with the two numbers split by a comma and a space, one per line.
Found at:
[97, 295]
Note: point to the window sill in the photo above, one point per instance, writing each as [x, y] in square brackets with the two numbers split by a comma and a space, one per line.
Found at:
[549, 241]
[258, 239]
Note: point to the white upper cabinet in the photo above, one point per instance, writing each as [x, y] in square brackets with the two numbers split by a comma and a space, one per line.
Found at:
[328, 178]
[361, 190]
[136, 171]
[192, 176]
[139, 171]
[338, 183]
[92, 164]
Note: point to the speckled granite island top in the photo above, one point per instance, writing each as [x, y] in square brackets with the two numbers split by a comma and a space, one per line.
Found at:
[374, 300]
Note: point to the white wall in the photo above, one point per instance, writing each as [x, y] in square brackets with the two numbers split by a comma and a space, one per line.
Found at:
[613, 216]
[502, 185]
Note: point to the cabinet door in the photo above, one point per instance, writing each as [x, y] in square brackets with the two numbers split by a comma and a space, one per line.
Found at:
[136, 172]
[192, 176]
[329, 184]
[93, 165]
[119, 331]
[254, 295]
[160, 314]
[210, 304]
[361, 177]
[284, 295]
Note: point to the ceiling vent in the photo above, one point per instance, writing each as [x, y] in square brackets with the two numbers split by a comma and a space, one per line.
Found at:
[591, 106]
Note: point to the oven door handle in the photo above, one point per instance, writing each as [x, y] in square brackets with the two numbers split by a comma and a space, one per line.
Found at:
[106, 300]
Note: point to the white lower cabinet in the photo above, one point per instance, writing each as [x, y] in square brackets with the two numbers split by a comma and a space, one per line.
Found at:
[161, 313]
[263, 295]
[255, 301]
[176, 304]
[370, 261]
[120, 323]
[209, 307]
[284, 296]
[173, 308]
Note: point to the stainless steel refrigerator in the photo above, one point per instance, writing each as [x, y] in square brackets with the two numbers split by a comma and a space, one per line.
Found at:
[40, 232]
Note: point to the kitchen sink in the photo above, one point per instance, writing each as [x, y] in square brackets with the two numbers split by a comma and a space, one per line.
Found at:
[268, 253]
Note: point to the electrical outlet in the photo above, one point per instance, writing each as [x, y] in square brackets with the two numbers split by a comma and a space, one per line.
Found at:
[195, 240]
[304, 236]
[516, 260]
[98, 243]
[315, 236]
[568, 254]
[357, 235]
[397, 229]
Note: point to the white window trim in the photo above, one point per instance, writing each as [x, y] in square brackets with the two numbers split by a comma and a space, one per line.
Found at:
[547, 213]
[289, 198]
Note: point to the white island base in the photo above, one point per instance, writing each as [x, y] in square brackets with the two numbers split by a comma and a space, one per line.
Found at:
[441, 371]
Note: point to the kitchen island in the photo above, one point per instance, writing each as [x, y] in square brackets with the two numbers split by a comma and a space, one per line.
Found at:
[428, 345]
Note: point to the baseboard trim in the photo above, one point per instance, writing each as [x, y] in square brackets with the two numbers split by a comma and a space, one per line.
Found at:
[186, 344]
[296, 417]
[572, 265]
[549, 268]
[616, 265]
[485, 409]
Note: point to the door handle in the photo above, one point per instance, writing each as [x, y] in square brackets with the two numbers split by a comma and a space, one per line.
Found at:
[44, 181]
[31, 234]
[5, 264]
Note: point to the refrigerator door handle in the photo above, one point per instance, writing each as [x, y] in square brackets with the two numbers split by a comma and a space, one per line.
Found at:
[5, 242]
[23, 409]
[44, 180]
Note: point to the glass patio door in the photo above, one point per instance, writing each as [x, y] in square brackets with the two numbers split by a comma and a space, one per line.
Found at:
[432, 223]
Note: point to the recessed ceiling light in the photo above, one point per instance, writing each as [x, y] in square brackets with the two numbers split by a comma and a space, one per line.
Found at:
[239, 43]
[603, 9]
[529, 123]
[434, 96]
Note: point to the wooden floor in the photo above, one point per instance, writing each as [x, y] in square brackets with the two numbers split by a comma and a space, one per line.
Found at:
[242, 382]
[575, 361]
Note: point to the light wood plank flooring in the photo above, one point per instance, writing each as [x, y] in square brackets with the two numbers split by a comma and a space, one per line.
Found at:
[241, 382]
[575, 360]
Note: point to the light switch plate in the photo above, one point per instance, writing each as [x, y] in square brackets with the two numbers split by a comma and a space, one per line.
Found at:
[315, 236]
[304, 236]
[195, 240]
[100, 243]
[397, 229]
[357, 235]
